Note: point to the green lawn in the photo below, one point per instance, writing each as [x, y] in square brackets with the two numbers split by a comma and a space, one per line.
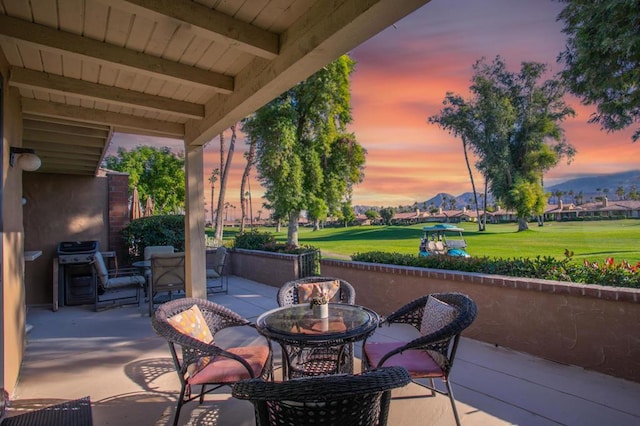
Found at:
[595, 241]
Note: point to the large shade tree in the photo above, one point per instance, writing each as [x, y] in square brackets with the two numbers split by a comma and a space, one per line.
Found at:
[306, 160]
[602, 59]
[512, 123]
[156, 173]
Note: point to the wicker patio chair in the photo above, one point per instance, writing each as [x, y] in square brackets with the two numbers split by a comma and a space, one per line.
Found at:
[201, 362]
[342, 399]
[69, 413]
[288, 294]
[440, 318]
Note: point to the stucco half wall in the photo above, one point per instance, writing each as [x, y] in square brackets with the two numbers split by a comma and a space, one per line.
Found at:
[589, 326]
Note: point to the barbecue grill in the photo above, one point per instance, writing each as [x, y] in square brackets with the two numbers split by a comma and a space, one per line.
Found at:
[75, 272]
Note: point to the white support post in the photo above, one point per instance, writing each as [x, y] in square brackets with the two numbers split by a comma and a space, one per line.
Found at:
[194, 245]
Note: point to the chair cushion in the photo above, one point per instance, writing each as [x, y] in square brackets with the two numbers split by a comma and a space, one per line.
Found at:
[437, 314]
[149, 250]
[211, 273]
[101, 268]
[226, 370]
[308, 291]
[126, 281]
[418, 362]
[192, 323]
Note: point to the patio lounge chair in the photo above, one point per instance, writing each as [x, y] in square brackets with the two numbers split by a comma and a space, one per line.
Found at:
[440, 318]
[167, 276]
[217, 272]
[192, 324]
[115, 286]
[327, 400]
[149, 250]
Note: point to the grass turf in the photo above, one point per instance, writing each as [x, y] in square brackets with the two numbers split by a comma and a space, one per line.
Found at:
[594, 241]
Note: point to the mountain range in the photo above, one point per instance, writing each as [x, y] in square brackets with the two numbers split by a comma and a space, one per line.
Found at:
[590, 186]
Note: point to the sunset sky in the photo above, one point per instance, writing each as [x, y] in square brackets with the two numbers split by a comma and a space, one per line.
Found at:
[401, 77]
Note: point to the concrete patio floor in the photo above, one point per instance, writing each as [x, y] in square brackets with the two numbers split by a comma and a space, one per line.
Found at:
[114, 357]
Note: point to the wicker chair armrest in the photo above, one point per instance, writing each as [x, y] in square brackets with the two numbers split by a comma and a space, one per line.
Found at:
[323, 388]
[411, 313]
[439, 340]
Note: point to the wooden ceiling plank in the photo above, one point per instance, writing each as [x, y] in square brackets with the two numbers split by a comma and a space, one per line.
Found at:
[207, 23]
[45, 12]
[30, 56]
[21, 77]
[95, 22]
[147, 125]
[71, 14]
[109, 54]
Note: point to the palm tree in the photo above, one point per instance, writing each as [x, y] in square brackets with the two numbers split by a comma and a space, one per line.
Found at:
[620, 192]
[212, 180]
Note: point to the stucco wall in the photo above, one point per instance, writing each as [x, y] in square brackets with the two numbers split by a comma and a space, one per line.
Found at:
[12, 297]
[60, 208]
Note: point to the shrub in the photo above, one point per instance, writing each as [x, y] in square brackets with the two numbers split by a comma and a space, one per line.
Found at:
[167, 230]
[256, 240]
[608, 273]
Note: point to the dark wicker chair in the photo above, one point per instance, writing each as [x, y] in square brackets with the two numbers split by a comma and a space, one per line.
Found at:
[68, 413]
[428, 356]
[342, 399]
[226, 366]
[288, 295]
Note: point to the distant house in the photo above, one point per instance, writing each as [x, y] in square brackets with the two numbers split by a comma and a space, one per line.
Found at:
[562, 212]
[409, 218]
[500, 215]
[622, 209]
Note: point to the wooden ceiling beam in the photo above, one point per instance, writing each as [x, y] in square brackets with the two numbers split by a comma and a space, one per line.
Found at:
[62, 121]
[108, 54]
[136, 125]
[53, 83]
[52, 149]
[206, 22]
[58, 138]
[64, 129]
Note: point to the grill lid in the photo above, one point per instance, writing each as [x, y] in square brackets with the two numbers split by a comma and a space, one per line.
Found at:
[73, 247]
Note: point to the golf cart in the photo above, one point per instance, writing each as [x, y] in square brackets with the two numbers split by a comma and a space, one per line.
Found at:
[443, 239]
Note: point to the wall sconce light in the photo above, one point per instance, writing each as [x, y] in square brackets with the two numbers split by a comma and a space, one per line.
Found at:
[25, 158]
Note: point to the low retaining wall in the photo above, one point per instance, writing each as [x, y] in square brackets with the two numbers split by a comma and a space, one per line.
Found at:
[589, 326]
[264, 267]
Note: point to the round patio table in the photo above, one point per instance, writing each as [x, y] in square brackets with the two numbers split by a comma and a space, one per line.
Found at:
[314, 346]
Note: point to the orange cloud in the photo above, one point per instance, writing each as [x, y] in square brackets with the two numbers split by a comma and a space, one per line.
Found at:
[401, 78]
